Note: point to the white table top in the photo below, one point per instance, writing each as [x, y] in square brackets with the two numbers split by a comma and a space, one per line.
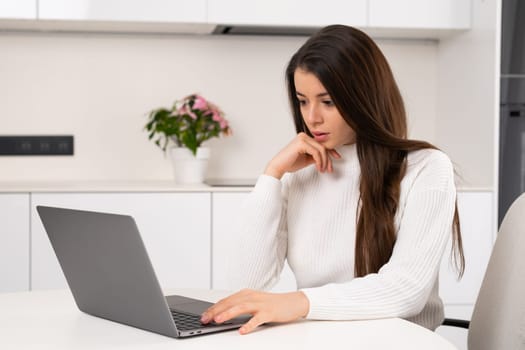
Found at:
[51, 320]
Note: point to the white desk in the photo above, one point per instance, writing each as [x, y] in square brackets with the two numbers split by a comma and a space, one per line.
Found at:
[51, 320]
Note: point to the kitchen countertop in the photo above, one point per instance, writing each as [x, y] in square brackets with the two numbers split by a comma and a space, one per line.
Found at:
[114, 186]
[140, 186]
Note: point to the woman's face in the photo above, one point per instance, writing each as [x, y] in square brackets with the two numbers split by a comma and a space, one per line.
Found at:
[319, 112]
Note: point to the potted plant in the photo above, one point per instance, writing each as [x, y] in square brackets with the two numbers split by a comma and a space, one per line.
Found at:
[182, 129]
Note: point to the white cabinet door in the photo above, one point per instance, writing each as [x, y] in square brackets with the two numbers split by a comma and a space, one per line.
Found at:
[225, 209]
[175, 228]
[18, 9]
[14, 242]
[124, 10]
[307, 13]
[476, 218]
[425, 14]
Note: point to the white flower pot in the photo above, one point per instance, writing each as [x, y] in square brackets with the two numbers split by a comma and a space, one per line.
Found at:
[187, 168]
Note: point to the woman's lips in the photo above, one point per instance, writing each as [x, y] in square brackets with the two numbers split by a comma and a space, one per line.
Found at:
[320, 136]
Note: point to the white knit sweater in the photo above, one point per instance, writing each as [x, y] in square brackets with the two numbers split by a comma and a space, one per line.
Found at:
[309, 218]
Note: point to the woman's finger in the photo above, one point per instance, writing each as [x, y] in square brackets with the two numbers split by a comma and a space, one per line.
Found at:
[225, 304]
[253, 323]
[234, 311]
[334, 153]
[218, 308]
[312, 151]
[323, 152]
[321, 160]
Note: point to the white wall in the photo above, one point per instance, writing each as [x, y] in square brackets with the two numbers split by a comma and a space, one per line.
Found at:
[468, 97]
[99, 87]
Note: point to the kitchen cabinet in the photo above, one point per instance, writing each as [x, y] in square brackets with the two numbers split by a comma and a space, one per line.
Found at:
[384, 18]
[225, 213]
[18, 9]
[422, 14]
[191, 11]
[175, 228]
[14, 242]
[304, 13]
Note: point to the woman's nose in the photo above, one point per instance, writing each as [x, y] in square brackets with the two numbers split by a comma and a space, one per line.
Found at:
[313, 114]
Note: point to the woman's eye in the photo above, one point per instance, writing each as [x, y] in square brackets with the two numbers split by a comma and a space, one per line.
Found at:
[302, 102]
[328, 102]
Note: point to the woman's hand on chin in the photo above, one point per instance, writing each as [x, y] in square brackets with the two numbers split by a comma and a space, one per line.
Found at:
[301, 152]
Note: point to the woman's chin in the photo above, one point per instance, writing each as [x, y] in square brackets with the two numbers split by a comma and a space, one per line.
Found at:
[332, 145]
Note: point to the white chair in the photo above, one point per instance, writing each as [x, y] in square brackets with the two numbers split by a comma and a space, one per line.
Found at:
[498, 320]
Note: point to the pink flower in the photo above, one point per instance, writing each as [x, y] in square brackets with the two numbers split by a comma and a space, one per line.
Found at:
[190, 122]
[192, 115]
[216, 116]
[182, 110]
[185, 109]
[200, 103]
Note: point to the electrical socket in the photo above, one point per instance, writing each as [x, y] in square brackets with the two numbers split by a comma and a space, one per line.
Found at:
[36, 145]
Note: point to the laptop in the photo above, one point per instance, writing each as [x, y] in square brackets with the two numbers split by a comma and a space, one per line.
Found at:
[110, 274]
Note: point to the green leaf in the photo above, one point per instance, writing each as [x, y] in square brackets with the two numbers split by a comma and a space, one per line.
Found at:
[165, 126]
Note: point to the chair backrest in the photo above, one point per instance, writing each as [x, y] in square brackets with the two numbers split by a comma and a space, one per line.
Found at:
[498, 321]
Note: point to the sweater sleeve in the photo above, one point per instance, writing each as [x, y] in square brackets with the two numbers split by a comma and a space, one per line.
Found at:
[261, 236]
[402, 286]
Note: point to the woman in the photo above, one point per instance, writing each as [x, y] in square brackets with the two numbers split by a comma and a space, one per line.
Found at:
[361, 213]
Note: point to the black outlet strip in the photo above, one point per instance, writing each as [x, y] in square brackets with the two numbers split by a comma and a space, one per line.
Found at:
[35, 145]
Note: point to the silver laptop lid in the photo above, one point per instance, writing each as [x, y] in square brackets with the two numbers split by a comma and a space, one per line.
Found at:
[107, 267]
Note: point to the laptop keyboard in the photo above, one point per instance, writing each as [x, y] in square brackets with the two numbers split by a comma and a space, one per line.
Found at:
[186, 322]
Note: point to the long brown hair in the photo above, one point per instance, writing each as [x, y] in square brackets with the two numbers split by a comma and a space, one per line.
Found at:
[360, 83]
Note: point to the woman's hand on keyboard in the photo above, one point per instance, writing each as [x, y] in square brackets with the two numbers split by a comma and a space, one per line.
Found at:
[263, 306]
